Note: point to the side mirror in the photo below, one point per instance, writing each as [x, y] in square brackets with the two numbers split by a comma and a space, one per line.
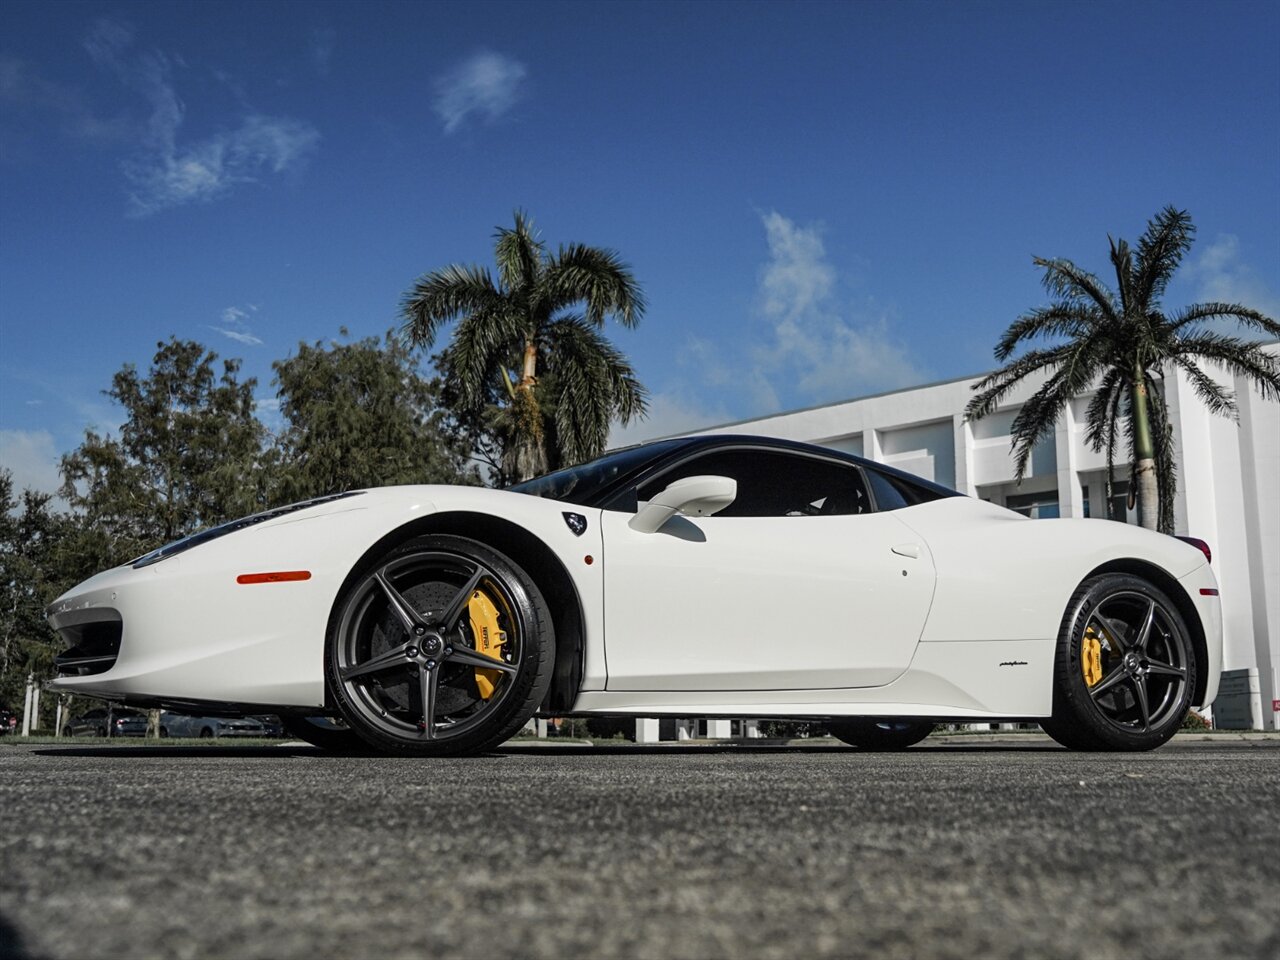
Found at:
[691, 497]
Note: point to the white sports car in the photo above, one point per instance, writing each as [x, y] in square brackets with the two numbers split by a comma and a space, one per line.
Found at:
[707, 576]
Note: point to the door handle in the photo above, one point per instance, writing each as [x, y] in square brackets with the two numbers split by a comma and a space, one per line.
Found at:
[911, 550]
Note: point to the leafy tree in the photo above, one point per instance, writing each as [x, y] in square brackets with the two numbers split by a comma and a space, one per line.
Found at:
[1120, 342]
[189, 455]
[33, 572]
[527, 365]
[360, 415]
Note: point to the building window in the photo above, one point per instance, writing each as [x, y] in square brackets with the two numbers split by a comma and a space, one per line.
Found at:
[1118, 509]
[1037, 506]
[1120, 503]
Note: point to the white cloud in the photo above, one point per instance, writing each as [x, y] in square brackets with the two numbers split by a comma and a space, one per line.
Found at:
[240, 337]
[32, 458]
[168, 172]
[235, 325]
[486, 84]
[171, 176]
[797, 277]
[1222, 275]
[813, 347]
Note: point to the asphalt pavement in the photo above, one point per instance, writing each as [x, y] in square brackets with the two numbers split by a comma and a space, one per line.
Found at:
[964, 849]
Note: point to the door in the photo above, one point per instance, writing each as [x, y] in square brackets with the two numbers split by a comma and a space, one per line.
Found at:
[798, 584]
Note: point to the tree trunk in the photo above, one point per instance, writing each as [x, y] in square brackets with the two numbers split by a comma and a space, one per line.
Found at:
[1144, 479]
[526, 454]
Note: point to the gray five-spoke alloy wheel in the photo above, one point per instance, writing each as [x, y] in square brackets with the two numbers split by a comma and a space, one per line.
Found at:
[441, 646]
[1126, 668]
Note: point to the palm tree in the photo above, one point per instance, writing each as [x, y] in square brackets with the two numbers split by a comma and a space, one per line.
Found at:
[528, 359]
[1121, 342]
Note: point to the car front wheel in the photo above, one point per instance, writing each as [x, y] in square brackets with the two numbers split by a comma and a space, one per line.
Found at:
[442, 646]
[1125, 670]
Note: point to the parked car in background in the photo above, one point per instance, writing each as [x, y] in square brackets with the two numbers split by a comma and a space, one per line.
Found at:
[8, 722]
[104, 722]
[181, 725]
[271, 724]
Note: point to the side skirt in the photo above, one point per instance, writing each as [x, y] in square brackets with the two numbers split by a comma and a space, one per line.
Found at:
[990, 679]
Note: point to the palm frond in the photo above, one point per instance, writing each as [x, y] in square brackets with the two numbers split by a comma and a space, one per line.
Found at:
[994, 387]
[1073, 320]
[1039, 415]
[1212, 394]
[1098, 414]
[1202, 312]
[598, 278]
[519, 253]
[1062, 278]
[1119, 399]
[1036, 420]
[1168, 237]
[1246, 360]
[482, 347]
[1122, 260]
[437, 298]
[592, 384]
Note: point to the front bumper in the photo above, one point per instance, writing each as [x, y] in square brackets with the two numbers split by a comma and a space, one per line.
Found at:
[184, 630]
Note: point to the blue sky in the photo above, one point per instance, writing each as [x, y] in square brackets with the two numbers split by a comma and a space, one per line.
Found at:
[821, 200]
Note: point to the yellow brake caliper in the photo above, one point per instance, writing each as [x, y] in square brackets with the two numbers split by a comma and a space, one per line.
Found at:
[489, 639]
[1091, 656]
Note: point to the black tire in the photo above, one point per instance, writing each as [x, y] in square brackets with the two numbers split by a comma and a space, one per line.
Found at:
[401, 657]
[333, 736]
[1141, 667]
[870, 733]
[206, 733]
[164, 733]
[66, 731]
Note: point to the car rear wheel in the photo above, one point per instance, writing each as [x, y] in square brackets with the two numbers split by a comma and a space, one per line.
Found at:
[1125, 669]
[442, 646]
[869, 733]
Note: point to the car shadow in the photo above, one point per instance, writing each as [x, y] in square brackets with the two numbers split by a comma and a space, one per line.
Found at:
[623, 749]
[264, 752]
[11, 944]
[531, 748]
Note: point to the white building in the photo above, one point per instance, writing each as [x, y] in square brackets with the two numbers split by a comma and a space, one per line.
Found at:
[1228, 484]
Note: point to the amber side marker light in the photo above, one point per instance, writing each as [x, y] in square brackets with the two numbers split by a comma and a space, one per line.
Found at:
[279, 576]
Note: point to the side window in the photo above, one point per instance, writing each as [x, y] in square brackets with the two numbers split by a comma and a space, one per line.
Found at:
[894, 493]
[775, 483]
[888, 497]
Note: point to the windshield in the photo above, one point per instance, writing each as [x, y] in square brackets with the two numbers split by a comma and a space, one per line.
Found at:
[581, 484]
